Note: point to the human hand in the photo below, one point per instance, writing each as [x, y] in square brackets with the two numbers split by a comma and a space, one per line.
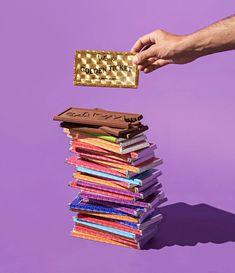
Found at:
[160, 48]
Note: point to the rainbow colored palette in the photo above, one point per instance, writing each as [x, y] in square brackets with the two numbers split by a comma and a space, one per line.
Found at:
[116, 177]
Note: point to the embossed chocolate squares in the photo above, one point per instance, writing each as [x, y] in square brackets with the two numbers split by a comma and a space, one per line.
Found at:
[105, 68]
[100, 117]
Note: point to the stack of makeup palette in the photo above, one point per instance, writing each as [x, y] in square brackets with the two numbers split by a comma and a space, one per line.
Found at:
[116, 177]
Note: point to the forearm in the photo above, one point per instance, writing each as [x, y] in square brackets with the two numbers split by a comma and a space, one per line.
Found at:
[217, 37]
[160, 48]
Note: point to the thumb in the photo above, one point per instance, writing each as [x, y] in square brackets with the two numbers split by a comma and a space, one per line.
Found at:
[145, 55]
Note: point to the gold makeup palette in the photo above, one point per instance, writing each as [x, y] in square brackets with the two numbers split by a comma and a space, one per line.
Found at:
[105, 68]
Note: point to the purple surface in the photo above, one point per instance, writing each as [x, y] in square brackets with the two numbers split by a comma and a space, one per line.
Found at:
[189, 109]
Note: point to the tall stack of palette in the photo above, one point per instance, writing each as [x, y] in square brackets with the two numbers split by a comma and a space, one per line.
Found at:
[116, 177]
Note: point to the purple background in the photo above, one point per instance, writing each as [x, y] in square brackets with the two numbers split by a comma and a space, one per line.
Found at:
[189, 109]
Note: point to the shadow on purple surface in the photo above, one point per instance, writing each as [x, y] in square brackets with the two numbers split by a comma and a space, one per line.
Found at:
[187, 225]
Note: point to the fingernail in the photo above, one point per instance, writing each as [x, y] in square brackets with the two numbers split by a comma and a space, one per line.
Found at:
[135, 59]
[145, 70]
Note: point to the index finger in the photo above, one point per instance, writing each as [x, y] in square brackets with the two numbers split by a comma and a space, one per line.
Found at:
[141, 42]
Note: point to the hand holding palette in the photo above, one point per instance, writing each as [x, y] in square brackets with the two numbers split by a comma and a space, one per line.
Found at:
[116, 177]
